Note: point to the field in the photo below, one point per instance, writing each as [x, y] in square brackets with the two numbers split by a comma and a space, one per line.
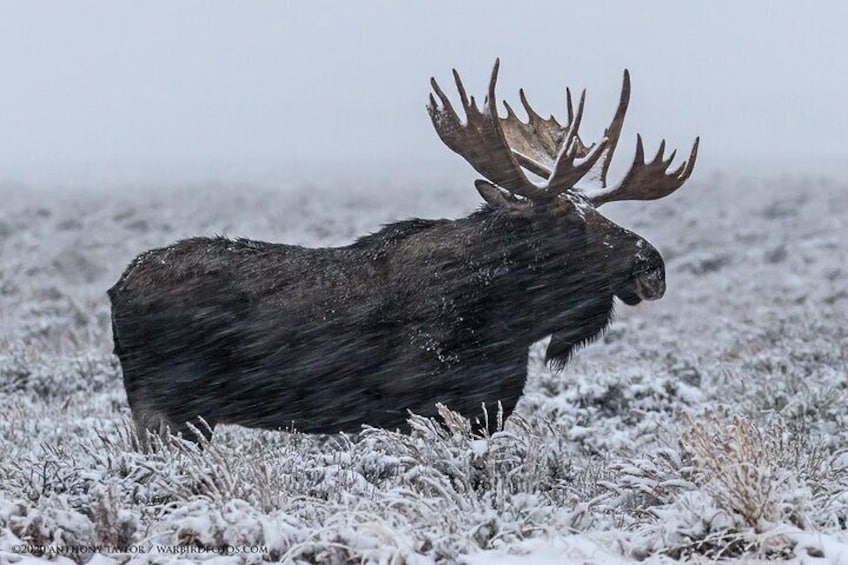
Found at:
[710, 425]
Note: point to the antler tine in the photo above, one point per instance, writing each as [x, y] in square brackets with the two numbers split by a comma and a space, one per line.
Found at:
[640, 150]
[566, 172]
[649, 181]
[463, 97]
[689, 164]
[446, 103]
[613, 132]
[574, 124]
[480, 140]
[531, 113]
[670, 158]
[491, 100]
[659, 156]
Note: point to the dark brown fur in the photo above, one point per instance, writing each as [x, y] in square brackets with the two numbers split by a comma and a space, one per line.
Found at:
[325, 340]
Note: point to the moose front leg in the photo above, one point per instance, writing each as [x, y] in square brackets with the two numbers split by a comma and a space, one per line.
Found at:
[498, 397]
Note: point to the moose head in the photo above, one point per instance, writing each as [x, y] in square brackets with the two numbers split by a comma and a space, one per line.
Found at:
[505, 149]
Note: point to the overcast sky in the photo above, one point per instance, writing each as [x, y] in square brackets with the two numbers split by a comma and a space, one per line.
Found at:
[206, 89]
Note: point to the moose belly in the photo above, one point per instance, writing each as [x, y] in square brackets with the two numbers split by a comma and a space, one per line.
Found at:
[331, 377]
[341, 396]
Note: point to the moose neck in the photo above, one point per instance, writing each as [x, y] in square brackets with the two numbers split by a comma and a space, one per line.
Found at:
[544, 278]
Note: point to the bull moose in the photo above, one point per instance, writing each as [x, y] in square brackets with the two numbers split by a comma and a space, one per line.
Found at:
[423, 311]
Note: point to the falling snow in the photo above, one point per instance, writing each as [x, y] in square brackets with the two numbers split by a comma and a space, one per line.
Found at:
[710, 424]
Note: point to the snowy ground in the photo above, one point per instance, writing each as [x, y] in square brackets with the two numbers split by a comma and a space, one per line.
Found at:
[708, 425]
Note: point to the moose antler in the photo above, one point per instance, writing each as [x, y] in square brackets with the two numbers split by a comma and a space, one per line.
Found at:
[648, 181]
[535, 142]
[499, 147]
[487, 146]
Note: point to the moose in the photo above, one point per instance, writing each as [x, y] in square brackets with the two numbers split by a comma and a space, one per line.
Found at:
[324, 340]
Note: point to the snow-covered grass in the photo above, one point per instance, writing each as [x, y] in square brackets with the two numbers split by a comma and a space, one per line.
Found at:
[709, 425]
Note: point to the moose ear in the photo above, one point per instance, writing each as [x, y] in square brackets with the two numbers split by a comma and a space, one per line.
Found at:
[495, 197]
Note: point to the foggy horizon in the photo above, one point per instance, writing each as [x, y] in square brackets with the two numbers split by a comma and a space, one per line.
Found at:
[106, 92]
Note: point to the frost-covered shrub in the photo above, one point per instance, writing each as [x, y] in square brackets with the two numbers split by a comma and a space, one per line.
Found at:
[54, 379]
[737, 463]
[48, 522]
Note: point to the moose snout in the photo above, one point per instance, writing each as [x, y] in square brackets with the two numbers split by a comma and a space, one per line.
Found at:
[650, 285]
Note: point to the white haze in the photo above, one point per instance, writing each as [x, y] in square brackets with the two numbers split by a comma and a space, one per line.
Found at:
[123, 91]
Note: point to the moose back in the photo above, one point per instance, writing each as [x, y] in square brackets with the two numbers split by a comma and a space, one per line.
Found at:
[424, 311]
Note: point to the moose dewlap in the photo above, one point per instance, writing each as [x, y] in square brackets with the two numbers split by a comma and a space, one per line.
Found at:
[423, 311]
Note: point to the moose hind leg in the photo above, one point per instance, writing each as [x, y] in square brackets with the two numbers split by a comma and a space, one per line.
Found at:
[150, 421]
